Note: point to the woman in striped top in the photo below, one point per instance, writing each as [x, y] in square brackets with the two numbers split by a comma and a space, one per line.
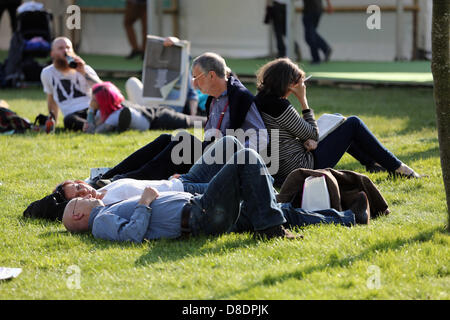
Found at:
[298, 135]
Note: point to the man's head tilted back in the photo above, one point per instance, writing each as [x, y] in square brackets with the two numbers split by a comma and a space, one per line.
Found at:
[77, 212]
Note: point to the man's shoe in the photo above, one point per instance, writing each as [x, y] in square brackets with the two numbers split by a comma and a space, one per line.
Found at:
[328, 54]
[124, 120]
[361, 209]
[93, 182]
[277, 231]
[374, 168]
[406, 172]
[102, 182]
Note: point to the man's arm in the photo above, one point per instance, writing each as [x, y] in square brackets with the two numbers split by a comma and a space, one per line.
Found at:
[81, 68]
[52, 106]
[258, 139]
[109, 226]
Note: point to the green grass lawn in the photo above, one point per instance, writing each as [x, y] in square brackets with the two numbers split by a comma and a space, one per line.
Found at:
[404, 255]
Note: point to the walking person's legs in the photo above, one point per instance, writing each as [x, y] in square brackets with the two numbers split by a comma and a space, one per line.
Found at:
[131, 15]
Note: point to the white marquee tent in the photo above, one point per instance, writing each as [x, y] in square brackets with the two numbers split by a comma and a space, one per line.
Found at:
[234, 28]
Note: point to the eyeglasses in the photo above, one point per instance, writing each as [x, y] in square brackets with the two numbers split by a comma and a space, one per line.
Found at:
[74, 206]
[197, 77]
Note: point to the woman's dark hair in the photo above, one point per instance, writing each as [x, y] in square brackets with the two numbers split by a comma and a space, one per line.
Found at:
[276, 76]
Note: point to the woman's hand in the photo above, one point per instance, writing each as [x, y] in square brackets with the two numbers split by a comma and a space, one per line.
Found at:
[299, 90]
[310, 145]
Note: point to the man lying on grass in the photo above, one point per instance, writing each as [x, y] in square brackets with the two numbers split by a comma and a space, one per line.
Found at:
[240, 197]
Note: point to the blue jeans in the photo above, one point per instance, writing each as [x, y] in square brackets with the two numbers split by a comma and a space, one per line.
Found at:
[312, 37]
[297, 217]
[212, 160]
[243, 178]
[353, 137]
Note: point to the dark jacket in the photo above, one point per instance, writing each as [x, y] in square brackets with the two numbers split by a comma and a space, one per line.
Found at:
[240, 100]
[343, 187]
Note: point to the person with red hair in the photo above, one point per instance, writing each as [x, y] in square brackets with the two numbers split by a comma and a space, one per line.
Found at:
[109, 111]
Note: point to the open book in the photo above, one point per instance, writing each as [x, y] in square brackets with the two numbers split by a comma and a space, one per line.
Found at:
[327, 123]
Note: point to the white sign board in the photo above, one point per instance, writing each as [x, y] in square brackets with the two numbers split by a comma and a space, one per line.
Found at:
[165, 71]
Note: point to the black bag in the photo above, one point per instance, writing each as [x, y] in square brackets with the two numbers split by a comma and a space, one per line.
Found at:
[50, 207]
[41, 124]
[9, 120]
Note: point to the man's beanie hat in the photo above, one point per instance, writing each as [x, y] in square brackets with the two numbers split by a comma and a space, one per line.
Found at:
[50, 207]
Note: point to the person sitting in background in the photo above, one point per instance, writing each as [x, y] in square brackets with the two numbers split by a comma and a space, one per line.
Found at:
[110, 111]
[68, 85]
[298, 134]
[11, 6]
[229, 107]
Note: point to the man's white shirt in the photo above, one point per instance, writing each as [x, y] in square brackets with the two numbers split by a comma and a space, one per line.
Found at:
[71, 91]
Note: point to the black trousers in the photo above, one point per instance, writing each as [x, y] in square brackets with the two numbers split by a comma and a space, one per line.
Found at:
[154, 161]
[76, 120]
[279, 26]
[11, 6]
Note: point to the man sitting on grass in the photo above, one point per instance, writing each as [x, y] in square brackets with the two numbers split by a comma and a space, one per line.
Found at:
[67, 83]
[240, 197]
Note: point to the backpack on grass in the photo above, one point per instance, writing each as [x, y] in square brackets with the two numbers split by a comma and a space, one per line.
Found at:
[9, 120]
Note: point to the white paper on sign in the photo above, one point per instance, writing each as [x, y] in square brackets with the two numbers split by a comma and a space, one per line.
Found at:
[9, 273]
[165, 72]
[315, 194]
[165, 90]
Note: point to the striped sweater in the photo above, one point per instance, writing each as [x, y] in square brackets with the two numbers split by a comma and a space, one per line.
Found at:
[278, 114]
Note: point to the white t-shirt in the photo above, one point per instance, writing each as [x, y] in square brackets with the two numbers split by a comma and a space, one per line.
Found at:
[71, 91]
[127, 188]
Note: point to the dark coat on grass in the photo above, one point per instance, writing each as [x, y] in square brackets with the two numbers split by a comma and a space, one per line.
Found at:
[343, 187]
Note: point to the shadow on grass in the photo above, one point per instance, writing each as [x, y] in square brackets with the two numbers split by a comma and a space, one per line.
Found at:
[173, 250]
[162, 250]
[335, 262]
